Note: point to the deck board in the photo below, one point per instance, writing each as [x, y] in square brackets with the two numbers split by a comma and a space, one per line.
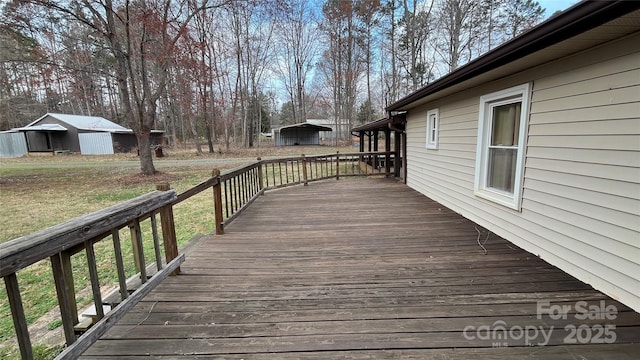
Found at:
[358, 269]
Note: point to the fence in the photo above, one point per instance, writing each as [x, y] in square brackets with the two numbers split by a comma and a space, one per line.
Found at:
[233, 192]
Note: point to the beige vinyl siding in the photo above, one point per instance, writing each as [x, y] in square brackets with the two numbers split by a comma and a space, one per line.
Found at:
[581, 197]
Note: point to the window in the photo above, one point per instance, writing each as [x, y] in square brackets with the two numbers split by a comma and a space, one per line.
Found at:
[500, 153]
[432, 129]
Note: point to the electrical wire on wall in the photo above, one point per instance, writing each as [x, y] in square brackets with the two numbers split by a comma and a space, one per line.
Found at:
[481, 244]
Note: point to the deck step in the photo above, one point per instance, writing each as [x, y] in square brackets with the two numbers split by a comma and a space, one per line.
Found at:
[84, 325]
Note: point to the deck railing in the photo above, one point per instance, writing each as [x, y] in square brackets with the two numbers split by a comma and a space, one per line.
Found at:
[60, 243]
[233, 192]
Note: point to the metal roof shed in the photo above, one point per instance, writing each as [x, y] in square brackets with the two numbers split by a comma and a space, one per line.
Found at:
[299, 134]
[88, 135]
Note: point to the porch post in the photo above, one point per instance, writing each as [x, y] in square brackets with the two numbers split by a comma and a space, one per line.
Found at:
[374, 164]
[404, 157]
[397, 161]
[387, 149]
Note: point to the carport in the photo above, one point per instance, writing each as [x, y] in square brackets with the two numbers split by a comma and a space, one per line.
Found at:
[299, 134]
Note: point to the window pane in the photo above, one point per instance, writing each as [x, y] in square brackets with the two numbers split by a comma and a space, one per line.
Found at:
[432, 128]
[506, 124]
[502, 169]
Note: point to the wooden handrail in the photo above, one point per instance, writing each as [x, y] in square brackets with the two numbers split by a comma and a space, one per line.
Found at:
[26, 250]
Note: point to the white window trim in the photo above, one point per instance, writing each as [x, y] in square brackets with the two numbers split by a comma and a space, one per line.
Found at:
[432, 126]
[513, 201]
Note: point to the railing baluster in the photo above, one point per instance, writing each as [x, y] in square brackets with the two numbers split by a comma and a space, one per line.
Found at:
[330, 170]
[244, 186]
[316, 160]
[241, 189]
[247, 185]
[234, 194]
[304, 170]
[122, 280]
[226, 198]
[236, 188]
[156, 241]
[286, 171]
[93, 276]
[17, 313]
[280, 172]
[255, 181]
[138, 250]
[63, 279]
[273, 173]
[327, 161]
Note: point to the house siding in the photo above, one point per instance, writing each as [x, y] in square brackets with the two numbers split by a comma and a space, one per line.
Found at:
[581, 197]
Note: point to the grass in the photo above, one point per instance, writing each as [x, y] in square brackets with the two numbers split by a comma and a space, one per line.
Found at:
[41, 191]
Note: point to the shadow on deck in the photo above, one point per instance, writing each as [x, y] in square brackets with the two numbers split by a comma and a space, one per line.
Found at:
[365, 269]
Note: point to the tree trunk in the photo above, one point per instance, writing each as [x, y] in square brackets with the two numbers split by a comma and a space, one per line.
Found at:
[144, 148]
[210, 139]
[196, 137]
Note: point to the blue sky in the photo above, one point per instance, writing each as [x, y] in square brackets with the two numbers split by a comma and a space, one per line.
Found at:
[553, 5]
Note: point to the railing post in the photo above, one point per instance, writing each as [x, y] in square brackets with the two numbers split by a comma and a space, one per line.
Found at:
[260, 175]
[17, 312]
[168, 229]
[304, 170]
[338, 165]
[217, 202]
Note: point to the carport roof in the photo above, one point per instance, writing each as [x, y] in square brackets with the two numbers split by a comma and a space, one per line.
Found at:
[305, 125]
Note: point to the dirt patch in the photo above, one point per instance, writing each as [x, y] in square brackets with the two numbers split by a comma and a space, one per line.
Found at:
[140, 179]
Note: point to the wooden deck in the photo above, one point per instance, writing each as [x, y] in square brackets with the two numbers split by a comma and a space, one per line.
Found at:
[362, 269]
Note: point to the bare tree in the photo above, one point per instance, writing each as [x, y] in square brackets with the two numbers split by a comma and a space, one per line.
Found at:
[367, 12]
[521, 15]
[298, 34]
[342, 60]
[416, 24]
[457, 31]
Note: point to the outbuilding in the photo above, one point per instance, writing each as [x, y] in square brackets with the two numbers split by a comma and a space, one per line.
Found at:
[87, 135]
[299, 134]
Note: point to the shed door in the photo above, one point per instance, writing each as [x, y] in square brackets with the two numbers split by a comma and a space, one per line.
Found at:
[95, 143]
